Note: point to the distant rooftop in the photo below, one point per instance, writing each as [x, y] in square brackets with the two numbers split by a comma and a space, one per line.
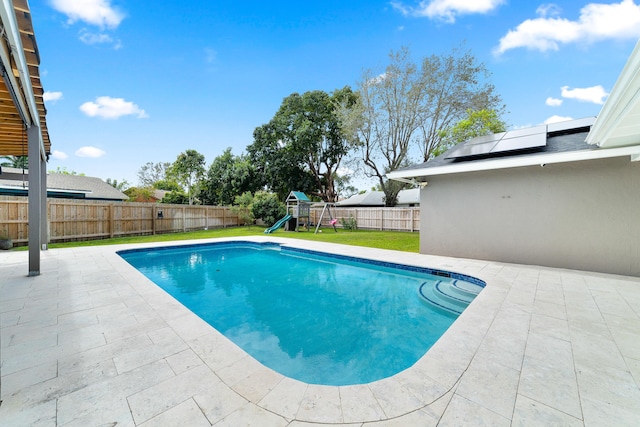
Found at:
[376, 198]
[13, 182]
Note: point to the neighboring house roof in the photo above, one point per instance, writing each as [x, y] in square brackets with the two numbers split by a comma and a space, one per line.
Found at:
[376, 198]
[12, 181]
[409, 197]
[159, 194]
[370, 198]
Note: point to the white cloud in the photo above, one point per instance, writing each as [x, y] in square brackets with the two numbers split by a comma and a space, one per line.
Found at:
[112, 108]
[90, 38]
[89, 151]
[548, 9]
[60, 155]
[553, 102]
[94, 12]
[52, 96]
[594, 94]
[406, 11]
[557, 119]
[447, 10]
[597, 21]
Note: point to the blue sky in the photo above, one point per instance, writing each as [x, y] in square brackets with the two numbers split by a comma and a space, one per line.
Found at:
[129, 82]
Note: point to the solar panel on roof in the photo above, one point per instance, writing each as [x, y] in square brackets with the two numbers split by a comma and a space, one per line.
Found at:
[495, 137]
[521, 143]
[519, 139]
[525, 132]
[466, 150]
[570, 124]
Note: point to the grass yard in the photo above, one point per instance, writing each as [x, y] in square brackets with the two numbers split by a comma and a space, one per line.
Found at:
[395, 240]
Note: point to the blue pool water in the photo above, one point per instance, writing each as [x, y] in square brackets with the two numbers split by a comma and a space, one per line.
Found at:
[318, 318]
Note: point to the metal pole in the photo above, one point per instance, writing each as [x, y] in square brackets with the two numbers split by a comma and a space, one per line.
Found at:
[35, 199]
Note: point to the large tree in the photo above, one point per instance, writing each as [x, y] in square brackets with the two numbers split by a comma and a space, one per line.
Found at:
[277, 165]
[476, 123]
[405, 109]
[386, 118]
[456, 84]
[302, 147]
[228, 176]
[150, 173]
[187, 169]
[344, 188]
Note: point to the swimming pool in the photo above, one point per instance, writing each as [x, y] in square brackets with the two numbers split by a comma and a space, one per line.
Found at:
[316, 317]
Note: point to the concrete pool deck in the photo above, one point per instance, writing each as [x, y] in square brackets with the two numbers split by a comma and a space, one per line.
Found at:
[92, 342]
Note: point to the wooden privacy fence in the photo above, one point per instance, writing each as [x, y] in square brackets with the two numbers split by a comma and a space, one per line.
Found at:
[391, 219]
[87, 220]
[70, 220]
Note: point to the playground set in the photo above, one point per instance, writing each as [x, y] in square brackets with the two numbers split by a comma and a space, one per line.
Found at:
[299, 213]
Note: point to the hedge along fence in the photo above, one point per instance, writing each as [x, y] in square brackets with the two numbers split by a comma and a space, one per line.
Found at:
[70, 220]
[383, 219]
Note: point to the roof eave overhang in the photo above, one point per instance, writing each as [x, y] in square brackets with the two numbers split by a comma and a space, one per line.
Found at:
[20, 73]
[506, 163]
[618, 123]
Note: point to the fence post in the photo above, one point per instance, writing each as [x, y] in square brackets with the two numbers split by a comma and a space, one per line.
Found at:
[48, 221]
[356, 217]
[411, 227]
[184, 219]
[111, 221]
[382, 219]
[154, 216]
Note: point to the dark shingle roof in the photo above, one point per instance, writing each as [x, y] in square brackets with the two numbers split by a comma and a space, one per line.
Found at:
[555, 144]
[91, 187]
[98, 189]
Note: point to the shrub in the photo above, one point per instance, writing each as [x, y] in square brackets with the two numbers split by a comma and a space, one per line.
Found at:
[349, 223]
[139, 194]
[175, 198]
[5, 241]
[267, 207]
[242, 207]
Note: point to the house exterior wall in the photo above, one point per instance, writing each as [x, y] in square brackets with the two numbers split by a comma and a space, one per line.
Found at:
[581, 215]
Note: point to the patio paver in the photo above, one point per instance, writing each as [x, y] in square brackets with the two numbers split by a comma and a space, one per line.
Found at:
[91, 341]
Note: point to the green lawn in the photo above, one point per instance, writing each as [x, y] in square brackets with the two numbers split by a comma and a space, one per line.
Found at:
[400, 241]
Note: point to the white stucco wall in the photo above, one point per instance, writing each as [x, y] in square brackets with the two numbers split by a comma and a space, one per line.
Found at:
[581, 215]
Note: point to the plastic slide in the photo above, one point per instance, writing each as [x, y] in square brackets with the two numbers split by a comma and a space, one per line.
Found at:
[278, 224]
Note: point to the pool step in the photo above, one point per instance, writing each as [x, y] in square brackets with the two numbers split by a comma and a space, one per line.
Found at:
[451, 296]
[467, 287]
